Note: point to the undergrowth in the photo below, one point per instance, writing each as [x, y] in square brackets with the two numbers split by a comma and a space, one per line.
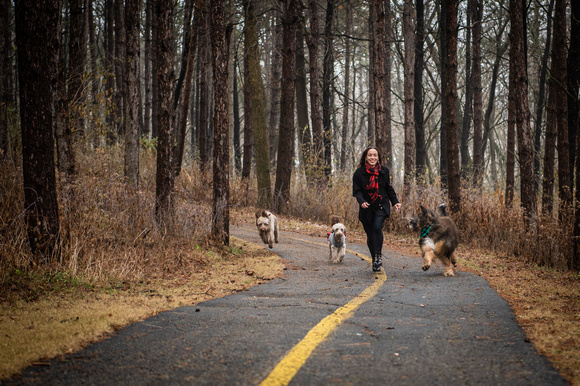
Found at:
[109, 233]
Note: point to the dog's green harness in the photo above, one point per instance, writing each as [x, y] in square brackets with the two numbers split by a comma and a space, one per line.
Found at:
[425, 231]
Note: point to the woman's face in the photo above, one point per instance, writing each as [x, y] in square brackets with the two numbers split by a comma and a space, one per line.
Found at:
[372, 157]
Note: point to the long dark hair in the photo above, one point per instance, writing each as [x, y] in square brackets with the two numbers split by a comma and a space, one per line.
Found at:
[363, 158]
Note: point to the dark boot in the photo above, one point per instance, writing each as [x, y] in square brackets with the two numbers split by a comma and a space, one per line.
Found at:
[377, 262]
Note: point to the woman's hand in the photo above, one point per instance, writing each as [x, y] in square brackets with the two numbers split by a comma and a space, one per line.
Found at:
[397, 206]
[365, 205]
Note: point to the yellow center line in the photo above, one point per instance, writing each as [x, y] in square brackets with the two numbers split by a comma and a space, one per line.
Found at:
[293, 361]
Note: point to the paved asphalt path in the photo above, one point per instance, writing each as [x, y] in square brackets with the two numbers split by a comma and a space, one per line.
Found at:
[421, 328]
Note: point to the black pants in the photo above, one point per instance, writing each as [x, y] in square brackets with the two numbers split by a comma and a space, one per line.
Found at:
[374, 231]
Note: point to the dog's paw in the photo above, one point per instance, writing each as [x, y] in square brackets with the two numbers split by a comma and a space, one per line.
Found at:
[426, 267]
[449, 273]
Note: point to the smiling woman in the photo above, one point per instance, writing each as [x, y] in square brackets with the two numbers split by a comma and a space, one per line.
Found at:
[371, 186]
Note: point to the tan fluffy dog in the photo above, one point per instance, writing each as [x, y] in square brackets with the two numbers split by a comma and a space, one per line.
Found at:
[267, 224]
[337, 240]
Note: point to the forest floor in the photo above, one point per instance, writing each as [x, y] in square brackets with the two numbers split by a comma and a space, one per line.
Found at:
[65, 316]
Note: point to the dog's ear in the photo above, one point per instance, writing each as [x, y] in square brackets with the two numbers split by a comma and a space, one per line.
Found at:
[424, 210]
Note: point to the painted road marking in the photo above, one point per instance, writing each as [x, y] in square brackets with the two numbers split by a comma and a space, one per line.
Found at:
[291, 363]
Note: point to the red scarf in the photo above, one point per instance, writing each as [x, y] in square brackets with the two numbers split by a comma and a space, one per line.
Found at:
[373, 186]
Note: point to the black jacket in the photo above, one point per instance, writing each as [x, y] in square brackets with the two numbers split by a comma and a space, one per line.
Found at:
[360, 179]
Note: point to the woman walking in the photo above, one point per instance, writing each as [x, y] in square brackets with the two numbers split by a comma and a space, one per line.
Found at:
[371, 186]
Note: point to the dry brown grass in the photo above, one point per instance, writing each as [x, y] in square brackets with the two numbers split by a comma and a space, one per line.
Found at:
[115, 258]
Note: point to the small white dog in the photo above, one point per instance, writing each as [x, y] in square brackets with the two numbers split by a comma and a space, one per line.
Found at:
[337, 240]
[267, 224]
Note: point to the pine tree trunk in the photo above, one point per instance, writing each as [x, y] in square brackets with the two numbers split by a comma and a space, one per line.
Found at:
[133, 88]
[315, 100]
[378, 74]
[420, 150]
[477, 95]
[327, 82]
[286, 142]
[525, 151]
[37, 39]
[258, 108]
[345, 104]
[559, 75]
[305, 132]
[164, 206]
[248, 123]
[450, 101]
[220, 224]
[409, 68]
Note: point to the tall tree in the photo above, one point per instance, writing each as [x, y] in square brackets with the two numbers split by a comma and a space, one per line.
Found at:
[258, 106]
[220, 223]
[450, 102]
[133, 96]
[37, 39]
[378, 74]
[477, 93]
[248, 123]
[510, 180]
[274, 85]
[5, 73]
[443, 69]
[573, 69]
[541, 97]
[315, 99]
[120, 54]
[182, 99]
[388, 67]
[468, 108]
[286, 142]
[203, 84]
[78, 39]
[409, 78]
[304, 129]
[522, 110]
[327, 85]
[345, 104]
[420, 150]
[559, 76]
[164, 206]
[147, 53]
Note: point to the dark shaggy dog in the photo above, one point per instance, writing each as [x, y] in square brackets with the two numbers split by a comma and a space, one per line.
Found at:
[439, 237]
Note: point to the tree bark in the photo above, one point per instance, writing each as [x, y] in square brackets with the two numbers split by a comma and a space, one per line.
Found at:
[221, 190]
[133, 88]
[468, 108]
[78, 38]
[420, 150]
[525, 152]
[258, 107]
[313, 165]
[378, 74]
[388, 156]
[477, 95]
[345, 104]
[409, 68]
[37, 39]
[573, 69]
[120, 54]
[164, 206]
[248, 123]
[559, 76]
[6, 100]
[510, 182]
[147, 69]
[450, 101]
[203, 86]
[185, 95]
[274, 99]
[286, 142]
[305, 132]
[327, 82]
